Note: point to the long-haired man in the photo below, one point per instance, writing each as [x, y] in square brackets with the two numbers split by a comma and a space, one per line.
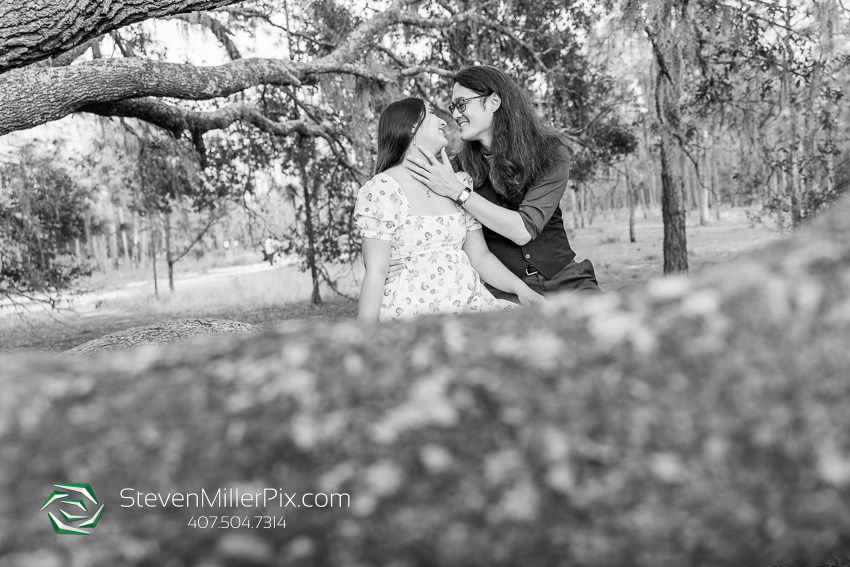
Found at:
[520, 170]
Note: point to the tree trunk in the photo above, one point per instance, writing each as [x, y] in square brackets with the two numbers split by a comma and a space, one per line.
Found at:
[152, 247]
[87, 230]
[582, 204]
[715, 184]
[688, 197]
[668, 91]
[652, 189]
[736, 181]
[113, 234]
[672, 212]
[137, 253]
[776, 190]
[703, 193]
[168, 254]
[830, 170]
[574, 203]
[811, 129]
[38, 29]
[123, 228]
[101, 253]
[792, 181]
[631, 197]
[315, 298]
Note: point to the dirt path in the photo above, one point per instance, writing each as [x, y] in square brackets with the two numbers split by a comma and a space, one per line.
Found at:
[132, 304]
[279, 295]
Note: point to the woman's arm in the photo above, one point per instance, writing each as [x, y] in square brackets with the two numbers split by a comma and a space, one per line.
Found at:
[494, 272]
[376, 255]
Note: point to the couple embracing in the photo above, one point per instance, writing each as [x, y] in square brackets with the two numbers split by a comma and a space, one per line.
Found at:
[482, 234]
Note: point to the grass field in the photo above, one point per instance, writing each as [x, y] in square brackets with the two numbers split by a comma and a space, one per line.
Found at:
[234, 288]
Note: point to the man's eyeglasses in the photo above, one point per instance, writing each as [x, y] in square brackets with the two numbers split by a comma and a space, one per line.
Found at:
[460, 103]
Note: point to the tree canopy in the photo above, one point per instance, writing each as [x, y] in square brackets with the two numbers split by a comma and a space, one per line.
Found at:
[721, 101]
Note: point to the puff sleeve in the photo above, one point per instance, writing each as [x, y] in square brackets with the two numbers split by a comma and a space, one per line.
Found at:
[377, 211]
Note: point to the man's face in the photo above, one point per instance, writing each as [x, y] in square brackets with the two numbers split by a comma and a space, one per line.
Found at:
[475, 121]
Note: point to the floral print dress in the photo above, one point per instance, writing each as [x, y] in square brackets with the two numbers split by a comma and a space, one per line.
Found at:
[437, 275]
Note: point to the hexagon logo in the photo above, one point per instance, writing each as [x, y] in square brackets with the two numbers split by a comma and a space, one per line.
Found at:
[75, 496]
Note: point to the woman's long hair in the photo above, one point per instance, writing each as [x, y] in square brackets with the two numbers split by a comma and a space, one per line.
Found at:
[523, 148]
[396, 128]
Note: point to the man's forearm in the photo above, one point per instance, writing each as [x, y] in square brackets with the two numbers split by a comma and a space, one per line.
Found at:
[506, 222]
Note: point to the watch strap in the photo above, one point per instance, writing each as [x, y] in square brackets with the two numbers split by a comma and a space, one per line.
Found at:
[464, 195]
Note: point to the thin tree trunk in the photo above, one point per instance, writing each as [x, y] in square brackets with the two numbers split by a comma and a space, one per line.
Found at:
[168, 257]
[113, 235]
[574, 203]
[792, 187]
[830, 171]
[153, 237]
[776, 191]
[687, 190]
[736, 181]
[715, 184]
[631, 198]
[652, 189]
[101, 255]
[315, 298]
[582, 204]
[87, 229]
[137, 253]
[123, 230]
[703, 200]
[702, 190]
[811, 130]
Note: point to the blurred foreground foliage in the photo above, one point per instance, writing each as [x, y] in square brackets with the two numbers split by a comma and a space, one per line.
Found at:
[698, 422]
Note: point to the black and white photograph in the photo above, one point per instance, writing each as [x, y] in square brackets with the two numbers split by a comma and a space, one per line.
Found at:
[424, 283]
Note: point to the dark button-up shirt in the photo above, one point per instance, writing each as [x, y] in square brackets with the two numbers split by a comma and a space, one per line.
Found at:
[549, 249]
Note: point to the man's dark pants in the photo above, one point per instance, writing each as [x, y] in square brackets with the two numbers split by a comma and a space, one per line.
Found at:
[576, 276]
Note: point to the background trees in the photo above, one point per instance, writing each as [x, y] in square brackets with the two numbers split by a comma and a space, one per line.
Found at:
[274, 105]
[42, 219]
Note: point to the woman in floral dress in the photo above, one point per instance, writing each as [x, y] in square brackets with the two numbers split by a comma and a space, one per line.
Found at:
[441, 245]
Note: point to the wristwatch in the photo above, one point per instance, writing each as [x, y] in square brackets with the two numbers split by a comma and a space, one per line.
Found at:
[464, 195]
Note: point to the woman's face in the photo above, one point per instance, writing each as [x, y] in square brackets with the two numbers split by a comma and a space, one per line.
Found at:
[476, 119]
[431, 134]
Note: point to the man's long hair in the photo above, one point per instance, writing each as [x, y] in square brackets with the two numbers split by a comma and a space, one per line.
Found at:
[523, 148]
[396, 128]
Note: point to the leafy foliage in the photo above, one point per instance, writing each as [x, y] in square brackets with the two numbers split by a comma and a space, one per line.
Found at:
[331, 195]
[42, 212]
